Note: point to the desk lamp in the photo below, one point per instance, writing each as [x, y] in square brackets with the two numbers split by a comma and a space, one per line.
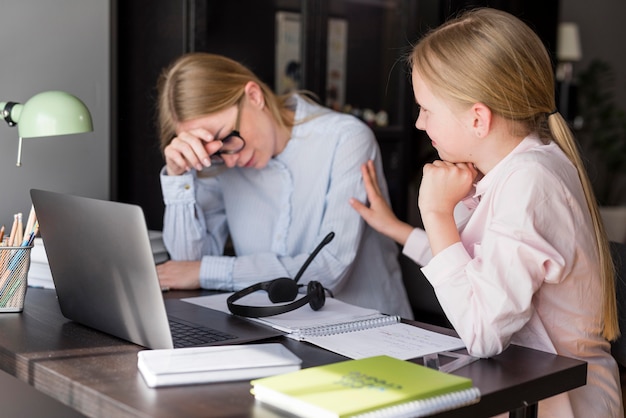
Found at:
[49, 113]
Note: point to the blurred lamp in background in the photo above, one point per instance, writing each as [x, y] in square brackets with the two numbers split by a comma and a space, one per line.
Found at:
[568, 51]
[50, 113]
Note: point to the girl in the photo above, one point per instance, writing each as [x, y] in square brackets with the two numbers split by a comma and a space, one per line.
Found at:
[512, 243]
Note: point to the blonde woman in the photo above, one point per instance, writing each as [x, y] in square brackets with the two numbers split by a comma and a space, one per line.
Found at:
[272, 173]
[512, 242]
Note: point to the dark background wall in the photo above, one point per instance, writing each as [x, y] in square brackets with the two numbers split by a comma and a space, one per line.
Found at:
[150, 34]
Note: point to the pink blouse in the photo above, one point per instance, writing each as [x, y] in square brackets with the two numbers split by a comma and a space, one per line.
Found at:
[526, 272]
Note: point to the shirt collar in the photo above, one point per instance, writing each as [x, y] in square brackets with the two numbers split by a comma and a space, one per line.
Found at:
[484, 183]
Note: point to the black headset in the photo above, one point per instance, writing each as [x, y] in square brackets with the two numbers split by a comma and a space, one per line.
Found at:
[283, 290]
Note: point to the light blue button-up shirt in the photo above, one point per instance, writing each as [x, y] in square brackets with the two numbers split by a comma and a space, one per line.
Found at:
[277, 215]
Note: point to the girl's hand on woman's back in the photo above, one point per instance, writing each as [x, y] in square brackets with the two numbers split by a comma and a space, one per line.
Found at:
[379, 215]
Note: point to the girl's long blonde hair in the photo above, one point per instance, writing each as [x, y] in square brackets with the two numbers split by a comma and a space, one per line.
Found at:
[489, 56]
[198, 84]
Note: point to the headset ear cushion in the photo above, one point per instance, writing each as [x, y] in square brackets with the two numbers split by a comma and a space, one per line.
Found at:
[317, 297]
[282, 290]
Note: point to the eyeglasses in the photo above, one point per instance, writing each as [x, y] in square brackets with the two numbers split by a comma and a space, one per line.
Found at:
[231, 143]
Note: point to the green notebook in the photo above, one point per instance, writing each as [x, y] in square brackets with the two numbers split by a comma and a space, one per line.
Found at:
[376, 386]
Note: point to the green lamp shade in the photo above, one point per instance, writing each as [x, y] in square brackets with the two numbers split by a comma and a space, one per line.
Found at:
[53, 113]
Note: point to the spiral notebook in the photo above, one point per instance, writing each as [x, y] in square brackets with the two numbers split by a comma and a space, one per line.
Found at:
[379, 386]
[346, 329]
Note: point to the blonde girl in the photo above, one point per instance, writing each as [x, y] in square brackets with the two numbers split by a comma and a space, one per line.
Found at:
[512, 242]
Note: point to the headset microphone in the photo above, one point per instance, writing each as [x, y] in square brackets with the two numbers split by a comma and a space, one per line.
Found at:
[328, 238]
[283, 290]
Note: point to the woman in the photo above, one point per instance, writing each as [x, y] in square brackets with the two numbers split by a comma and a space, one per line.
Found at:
[513, 243]
[272, 173]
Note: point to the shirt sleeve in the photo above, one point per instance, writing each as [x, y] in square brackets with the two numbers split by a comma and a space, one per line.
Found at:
[191, 230]
[417, 247]
[356, 147]
[486, 289]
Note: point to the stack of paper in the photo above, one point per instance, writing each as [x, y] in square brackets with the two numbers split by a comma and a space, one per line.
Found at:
[39, 274]
[158, 248]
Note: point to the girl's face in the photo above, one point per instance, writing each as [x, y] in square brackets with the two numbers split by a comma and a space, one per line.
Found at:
[446, 125]
[255, 127]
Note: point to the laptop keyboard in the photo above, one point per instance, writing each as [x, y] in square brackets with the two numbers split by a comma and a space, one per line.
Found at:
[185, 335]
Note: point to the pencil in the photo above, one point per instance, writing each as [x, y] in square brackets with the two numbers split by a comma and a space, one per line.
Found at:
[34, 233]
[13, 230]
[19, 232]
[31, 221]
[5, 253]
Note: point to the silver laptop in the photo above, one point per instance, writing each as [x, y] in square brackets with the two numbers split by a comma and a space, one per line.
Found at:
[105, 277]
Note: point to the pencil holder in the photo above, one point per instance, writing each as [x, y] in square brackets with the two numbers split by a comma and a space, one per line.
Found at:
[14, 264]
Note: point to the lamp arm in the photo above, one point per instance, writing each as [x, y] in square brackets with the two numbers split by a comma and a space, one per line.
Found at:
[19, 152]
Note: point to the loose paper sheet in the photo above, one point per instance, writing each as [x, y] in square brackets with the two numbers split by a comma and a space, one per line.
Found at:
[399, 340]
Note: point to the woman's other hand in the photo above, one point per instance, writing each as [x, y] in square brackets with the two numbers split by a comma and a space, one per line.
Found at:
[179, 274]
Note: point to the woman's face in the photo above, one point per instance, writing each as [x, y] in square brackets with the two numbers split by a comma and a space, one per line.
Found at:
[446, 126]
[255, 127]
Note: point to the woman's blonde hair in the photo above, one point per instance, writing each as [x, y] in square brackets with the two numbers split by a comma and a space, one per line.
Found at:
[198, 84]
[489, 56]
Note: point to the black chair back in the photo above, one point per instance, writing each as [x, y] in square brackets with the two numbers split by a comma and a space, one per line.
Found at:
[618, 347]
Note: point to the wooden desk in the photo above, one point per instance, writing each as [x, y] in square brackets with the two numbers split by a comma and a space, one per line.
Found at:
[97, 374]
[18, 400]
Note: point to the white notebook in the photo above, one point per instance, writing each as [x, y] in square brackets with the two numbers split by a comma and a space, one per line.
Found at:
[195, 365]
